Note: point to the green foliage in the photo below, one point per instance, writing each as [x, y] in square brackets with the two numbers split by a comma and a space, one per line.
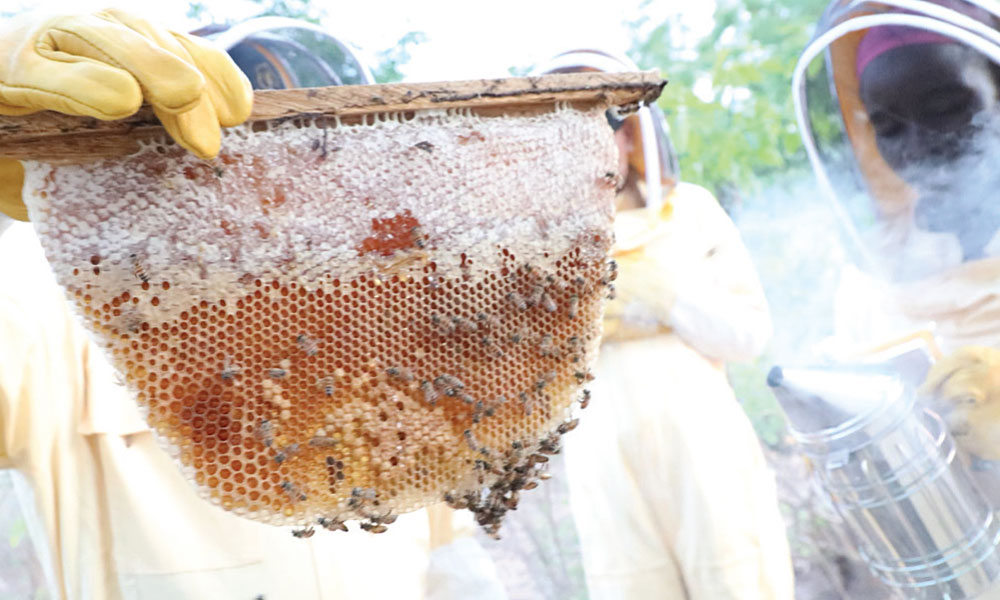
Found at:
[304, 10]
[390, 60]
[16, 534]
[739, 129]
[757, 400]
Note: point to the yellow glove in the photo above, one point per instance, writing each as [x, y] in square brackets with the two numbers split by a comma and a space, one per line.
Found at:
[964, 389]
[104, 65]
[11, 179]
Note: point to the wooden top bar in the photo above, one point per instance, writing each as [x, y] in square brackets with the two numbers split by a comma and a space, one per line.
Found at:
[55, 137]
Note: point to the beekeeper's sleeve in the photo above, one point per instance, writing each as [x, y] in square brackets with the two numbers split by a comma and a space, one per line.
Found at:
[719, 306]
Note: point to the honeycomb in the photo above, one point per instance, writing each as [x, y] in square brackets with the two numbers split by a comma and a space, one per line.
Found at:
[335, 321]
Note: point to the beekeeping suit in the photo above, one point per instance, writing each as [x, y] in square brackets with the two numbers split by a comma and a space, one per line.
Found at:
[111, 514]
[913, 182]
[668, 486]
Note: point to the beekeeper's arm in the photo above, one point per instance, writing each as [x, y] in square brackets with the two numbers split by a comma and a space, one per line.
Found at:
[694, 269]
[105, 65]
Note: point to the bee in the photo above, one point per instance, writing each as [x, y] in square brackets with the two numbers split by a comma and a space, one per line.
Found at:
[585, 401]
[359, 496]
[374, 528]
[549, 446]
[265, 432]
[277, 373]
[545, 347]
[515, 338]
[612, 180]
[544, 380]
[331, 524]
[582, 377]
[489, 320]
[493, 351]
[322, 147]
[568, 426]
[417, 233]
[229, 370]
[320, 441]
[449, 381]
[465, 324]
[138, 269]
[363, 493]
[612, 294]
[536, 295]
[286, 452]
[470, 439]
[443, 325]
[326, 384]
[544, 475]
[539, 458]
[548, 303]
[425, 146]
[529, 485]
[574, 306]
[430, 393]
[455, 503]
[293, 491]
[308, 345]
[518, 301]
[512, 500]
[400, 373]
[305, 532]
[466, 398]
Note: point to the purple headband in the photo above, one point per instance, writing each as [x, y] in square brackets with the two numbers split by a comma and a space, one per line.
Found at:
[883, 38]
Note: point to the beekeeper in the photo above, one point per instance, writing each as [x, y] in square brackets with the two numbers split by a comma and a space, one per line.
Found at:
[898, 106]
[113, 516]
[668, 486]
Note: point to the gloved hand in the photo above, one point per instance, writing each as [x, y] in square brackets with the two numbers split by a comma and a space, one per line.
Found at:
[11, 180]
[964, 389]
[105, 65]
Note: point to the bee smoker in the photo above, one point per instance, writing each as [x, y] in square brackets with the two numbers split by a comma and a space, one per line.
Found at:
[892, 473]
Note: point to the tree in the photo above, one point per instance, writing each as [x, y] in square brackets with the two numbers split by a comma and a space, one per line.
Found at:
[729, 99]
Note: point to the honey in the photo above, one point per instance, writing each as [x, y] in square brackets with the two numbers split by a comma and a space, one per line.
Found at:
[403, 314]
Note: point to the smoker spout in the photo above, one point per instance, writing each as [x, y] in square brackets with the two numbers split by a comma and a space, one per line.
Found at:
[821, 399]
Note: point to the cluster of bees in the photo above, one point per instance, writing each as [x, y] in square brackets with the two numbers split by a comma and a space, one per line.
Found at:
[514, 470]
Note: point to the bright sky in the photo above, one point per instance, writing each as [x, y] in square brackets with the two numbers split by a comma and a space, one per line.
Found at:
[464, 39]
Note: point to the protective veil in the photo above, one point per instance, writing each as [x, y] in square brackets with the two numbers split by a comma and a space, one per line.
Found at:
[913, 184]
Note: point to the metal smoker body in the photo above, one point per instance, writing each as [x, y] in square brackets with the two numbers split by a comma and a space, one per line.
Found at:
[892, 473]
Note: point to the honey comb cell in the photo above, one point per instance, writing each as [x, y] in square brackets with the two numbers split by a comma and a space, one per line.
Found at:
[332, 322]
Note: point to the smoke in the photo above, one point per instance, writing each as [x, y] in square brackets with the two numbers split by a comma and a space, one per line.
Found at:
[799, 249]
[957, 193]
